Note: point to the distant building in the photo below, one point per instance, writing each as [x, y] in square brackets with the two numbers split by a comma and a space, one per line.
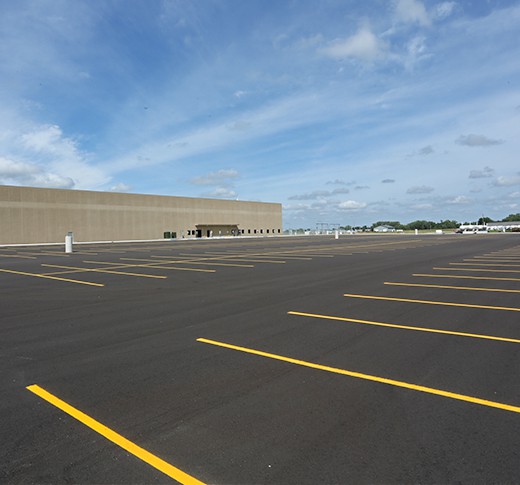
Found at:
[384, 228]
[36, 215]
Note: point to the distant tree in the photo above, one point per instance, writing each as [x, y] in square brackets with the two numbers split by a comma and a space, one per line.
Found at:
[394, 224]
[447, 224]
[511, 217]
[420, 225]
[484, 220]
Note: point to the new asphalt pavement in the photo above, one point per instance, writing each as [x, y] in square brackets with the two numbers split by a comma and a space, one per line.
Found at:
[294, 360]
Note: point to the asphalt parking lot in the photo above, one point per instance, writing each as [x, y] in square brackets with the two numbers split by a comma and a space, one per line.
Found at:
[297, 360]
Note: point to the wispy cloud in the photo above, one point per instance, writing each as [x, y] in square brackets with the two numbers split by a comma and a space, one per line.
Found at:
[223, 176]
[412, 11]
[486, 172]
[14, 172]
[507, 181]
[352, 205]
[420, 189]
[472, 140]
[363, 45]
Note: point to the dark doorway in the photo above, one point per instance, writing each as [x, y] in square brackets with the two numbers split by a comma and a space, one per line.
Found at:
[199, 232]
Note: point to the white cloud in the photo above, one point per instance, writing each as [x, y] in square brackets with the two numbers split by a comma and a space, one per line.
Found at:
[317, 194]
[29, 174]
[223, 176]
[460, 199]
[412, 11]
[487, 172]
[420, 189]
[503, 181]
[351, 205]
[444, 9]
[58, 156]
[363, 45]
[473, 140]
[427, 150]
[422, 206]
[121, 187]
[221, 193]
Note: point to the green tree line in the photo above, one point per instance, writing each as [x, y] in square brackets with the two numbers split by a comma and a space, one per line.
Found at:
[423, 224]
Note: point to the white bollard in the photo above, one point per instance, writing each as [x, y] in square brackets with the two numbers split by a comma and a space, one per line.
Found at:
[68, 242]
[416, 232]
[336, 235]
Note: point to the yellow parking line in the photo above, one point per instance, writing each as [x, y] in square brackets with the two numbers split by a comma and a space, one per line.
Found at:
[368, 377]
[485, 264]
[249, 260]
[428, 302]
[233, 258]
[199, 261]
[481, 270]
[95, 270]
[116, 438]
[16, 256]
[407, 327]
[469, 288]
[40, 253]
[157, 265]
[175, 268]
[54, 253]
[465, 277]
[51, 277]
[244, 258]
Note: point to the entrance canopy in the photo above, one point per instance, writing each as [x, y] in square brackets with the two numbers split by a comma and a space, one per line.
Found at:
[209, 230]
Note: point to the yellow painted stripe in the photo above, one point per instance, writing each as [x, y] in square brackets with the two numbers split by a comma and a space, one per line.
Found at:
[176, 268]
[485, 264]
[407, 327]
[155, 265]
[480, 270]
[244, 258]
[465, 277]
[428, 302]
[469, 288]
[199, 261]
[36, 275]
[16, 256]
[367, 377]
[208, 263]
[95, 270]
[54, 253]
[141, 453]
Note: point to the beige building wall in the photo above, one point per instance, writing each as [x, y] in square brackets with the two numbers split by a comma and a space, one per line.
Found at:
[34, 215]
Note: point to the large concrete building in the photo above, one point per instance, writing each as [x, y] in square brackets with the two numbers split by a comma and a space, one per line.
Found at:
[35, 215]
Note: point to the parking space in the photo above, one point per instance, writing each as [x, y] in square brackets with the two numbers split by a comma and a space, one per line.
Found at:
[286, 360]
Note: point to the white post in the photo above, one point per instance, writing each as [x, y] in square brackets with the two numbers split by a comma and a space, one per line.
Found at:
[68, 242]
[416, 232]
[336, 235]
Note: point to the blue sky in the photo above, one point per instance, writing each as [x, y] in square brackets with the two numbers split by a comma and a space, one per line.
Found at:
[344, 111]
